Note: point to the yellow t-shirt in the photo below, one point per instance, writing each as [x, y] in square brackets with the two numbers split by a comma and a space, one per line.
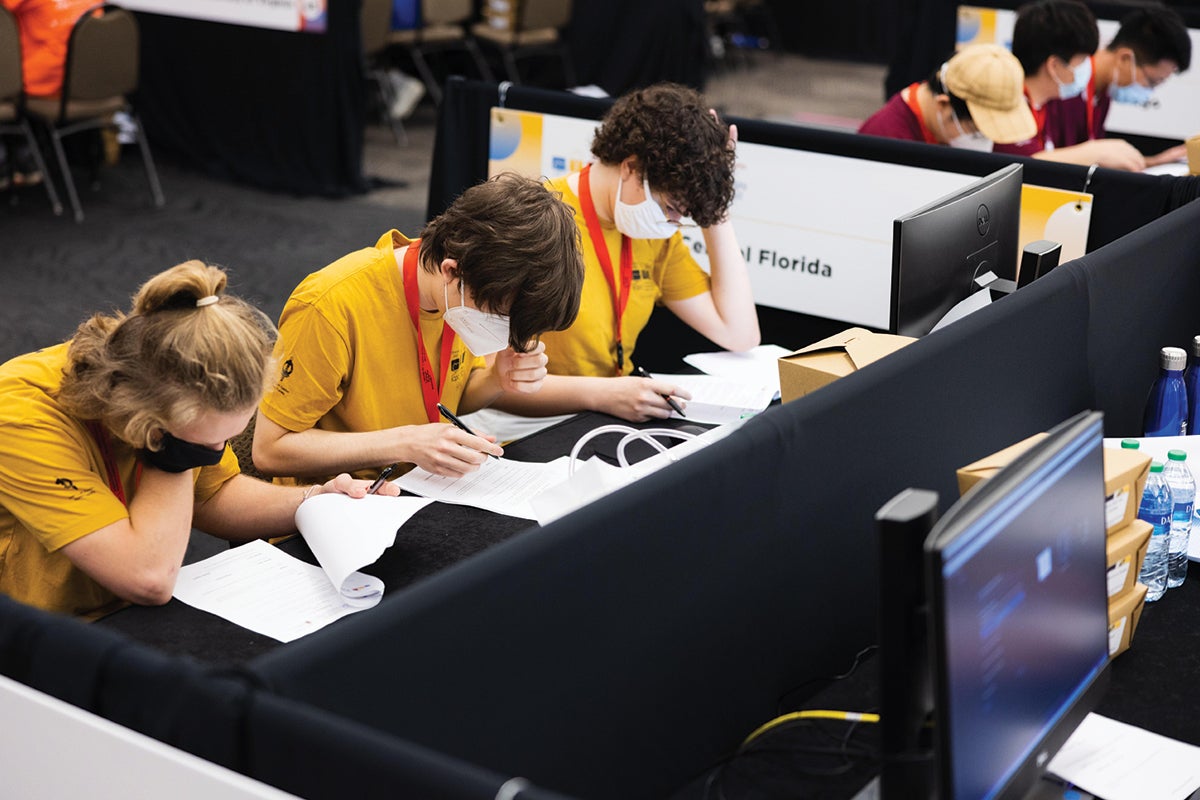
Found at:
[54, 488]
[347, 351]
[663, 270]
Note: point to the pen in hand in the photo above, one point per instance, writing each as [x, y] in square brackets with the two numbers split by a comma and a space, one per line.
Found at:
[641, 373]
[458, 423]
[383, 476]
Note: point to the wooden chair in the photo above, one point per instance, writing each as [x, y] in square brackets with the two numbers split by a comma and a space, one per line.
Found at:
[529, 28]
[12, 102]
[444, 26]
[101, 70]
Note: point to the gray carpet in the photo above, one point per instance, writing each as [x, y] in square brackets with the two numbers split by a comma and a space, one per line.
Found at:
[54, 272]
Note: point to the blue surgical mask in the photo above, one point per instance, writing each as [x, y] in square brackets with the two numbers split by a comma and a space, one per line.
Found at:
[1134, 94]
[1083, 74]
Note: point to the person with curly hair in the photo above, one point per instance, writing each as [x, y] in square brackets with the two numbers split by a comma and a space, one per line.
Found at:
[115, 444]
[371, 344]
[661, 156]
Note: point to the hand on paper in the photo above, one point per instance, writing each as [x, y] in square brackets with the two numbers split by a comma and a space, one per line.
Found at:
[446, 450]
[638, 399]
[352, 487]
[1168, 156]
[521, 372]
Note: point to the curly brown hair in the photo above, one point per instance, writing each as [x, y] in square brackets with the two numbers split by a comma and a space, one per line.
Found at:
[680, 146]
[170, 358]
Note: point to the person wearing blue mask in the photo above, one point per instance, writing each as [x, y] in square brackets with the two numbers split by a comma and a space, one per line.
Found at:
[370, 345]
[1054, 40]
[1151, 45]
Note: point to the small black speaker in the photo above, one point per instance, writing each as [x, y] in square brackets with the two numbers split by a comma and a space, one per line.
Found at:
[1037, 259]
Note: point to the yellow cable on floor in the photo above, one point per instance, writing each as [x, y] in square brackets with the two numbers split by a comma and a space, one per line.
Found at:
[849, 716]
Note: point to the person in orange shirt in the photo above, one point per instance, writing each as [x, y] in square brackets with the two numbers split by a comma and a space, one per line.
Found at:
[45, 27]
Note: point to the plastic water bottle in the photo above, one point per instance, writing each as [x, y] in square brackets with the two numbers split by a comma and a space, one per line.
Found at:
[1178, 476]
[1167, 408]
[1191, 382]
[1156, 508]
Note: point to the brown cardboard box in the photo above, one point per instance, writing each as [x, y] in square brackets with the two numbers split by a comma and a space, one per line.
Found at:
[1124, 611]
[1126, 549]
[988, 466]
[1125, 474]
[1193, 154]
[810, 368]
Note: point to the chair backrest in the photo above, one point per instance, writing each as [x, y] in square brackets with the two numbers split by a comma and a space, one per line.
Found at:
[10, 57]
[376, 20]
[446, 12]
[102, 55]
[537, 14]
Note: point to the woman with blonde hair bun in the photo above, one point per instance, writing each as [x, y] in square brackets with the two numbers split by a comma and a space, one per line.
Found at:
[115, 444]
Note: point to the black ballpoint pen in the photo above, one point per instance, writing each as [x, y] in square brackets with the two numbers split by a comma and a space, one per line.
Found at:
[383, 476]
[641, 373]
[458, 423]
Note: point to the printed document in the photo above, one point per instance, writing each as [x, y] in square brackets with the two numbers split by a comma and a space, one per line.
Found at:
[500, 485]
[1121, 762]
[758, 366]
[720, 401]
[262, 588]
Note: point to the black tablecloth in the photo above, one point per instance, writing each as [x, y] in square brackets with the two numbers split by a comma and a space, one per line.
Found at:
[436, 537]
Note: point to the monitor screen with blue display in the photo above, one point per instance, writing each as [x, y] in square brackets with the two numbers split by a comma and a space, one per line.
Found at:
[1019, 615]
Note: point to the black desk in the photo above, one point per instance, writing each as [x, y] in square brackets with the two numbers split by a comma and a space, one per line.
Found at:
[436, 537]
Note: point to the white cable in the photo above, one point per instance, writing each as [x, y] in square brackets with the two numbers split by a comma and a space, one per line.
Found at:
[630, 435]
[511, 788]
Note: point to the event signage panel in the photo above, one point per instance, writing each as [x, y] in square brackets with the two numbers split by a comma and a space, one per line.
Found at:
[815, 229]
[285, 15]
[1174, 113]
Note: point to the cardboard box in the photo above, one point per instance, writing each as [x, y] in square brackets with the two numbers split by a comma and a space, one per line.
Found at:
[1125, 473]
[1124, 611]
[812, 367]
[988, 466]
[1126, 549]
[1193, 154]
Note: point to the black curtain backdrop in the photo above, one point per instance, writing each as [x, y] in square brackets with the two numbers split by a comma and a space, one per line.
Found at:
[278, 110]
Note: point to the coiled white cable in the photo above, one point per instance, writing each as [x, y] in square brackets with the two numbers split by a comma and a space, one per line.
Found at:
[631, 434]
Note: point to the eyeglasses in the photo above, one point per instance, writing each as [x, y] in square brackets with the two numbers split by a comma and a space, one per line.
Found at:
[675, 216]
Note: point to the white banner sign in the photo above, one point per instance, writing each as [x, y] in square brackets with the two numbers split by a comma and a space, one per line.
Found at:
[285, 15]
[815, 229]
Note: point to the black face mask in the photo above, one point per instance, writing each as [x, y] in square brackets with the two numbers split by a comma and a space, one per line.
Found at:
[176, 455]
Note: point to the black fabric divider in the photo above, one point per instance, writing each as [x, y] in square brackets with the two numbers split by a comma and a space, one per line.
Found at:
[346, 759]
[623, 649]
[280, 110]
[1144, 292]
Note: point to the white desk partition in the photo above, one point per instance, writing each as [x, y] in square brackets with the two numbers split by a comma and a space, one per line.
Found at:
[49, 748]
[1175, 114]
[285, 15]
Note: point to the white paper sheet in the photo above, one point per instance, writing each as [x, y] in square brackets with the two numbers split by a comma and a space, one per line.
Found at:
[720, 401]
[500, 485]
[1120, 762]
[262, 588]
[756, 367]
[347, 533]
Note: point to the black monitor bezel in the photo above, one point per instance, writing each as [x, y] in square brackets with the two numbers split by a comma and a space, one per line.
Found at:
[960, 517]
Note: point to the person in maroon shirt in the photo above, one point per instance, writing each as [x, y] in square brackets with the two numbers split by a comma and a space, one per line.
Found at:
[1151, 45]
[972, 100]
[1054, 41]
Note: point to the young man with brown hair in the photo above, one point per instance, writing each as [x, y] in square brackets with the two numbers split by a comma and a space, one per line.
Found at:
[371, 344]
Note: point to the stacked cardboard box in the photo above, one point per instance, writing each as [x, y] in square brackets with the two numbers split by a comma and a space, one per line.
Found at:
[823, 362]
[1125, 473]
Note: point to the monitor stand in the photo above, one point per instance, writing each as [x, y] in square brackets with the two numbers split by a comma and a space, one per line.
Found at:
[988, 290]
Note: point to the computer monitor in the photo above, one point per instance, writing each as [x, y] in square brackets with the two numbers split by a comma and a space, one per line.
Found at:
[1019, 615]
[940, 249]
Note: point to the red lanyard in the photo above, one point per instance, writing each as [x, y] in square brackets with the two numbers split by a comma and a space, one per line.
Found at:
[1090, 97]
[110, 463]
[432, 393]
[916, 109]
[620, 293]
[1039, 117]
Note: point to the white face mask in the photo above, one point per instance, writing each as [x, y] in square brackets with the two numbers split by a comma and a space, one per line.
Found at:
[481, 332]
[967, 141]
[644, 220]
